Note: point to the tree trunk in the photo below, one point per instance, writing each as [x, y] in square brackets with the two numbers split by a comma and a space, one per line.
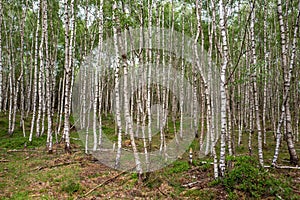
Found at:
[287, 73]
[36, 72]
[117, 92]
[254, 81]
[222, 88]
[67, 80]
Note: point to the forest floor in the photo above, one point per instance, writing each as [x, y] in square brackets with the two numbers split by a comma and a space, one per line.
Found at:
[31, 173]
[34, 174]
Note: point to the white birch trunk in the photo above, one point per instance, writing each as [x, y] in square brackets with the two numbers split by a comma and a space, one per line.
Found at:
[48, 82]
[256, 103]
[98, 89]
[11, 74]
[265, 78]
[214, 129]
[72, 53]
[222, 88]
[67, 81]
[117, 93]
[182, 76]
[148, 106]
[287, 79]
[41, 76]
[36, 72]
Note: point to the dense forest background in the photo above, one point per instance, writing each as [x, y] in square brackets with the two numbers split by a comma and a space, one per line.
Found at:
[241, 95]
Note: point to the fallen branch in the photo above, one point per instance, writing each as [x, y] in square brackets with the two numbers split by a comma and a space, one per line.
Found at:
[204, 162]
[42, 150]
[105, 182]
[191, 184]
[281, 167]
[24, 150]
[53, 166]
[74, 138]
[3, 160]
[166, 195]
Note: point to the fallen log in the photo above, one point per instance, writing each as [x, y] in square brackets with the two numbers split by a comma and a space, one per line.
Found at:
[281, 167]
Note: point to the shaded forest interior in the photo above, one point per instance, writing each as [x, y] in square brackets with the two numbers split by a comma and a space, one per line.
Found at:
[137, 85]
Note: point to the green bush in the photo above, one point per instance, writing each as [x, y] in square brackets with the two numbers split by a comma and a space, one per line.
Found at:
[248, 177]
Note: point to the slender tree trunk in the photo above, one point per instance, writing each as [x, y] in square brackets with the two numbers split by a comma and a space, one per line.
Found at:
[36, 72]
[148, 105]
[11, 79]
[287, 73]
[213, 129]
[95, 102]
[40, 89]
[117, 92]
[48, 82]
[67, 80]
[229, 122]
[254, 81]
[98, 89]
[293, 154]
[23, 71]
[72, 52]
[222, 88]
[265, 71]
[61, 105]
[182, 78]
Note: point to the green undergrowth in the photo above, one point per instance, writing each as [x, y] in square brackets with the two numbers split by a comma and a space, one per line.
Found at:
[248, 178]
[70, 187]
[29, 175]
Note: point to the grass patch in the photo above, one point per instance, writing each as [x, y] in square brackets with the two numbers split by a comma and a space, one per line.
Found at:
[22, 178]
[200, 194]
[256, 182]
[70, 187]
[177, 167]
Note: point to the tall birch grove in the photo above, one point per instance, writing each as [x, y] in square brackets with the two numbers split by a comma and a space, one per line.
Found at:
[237, 73]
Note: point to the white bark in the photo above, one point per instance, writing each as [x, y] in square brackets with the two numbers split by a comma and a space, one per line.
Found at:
[148, 106]
[256, 103]
[72, 52]
[11, 74]
[98, 86]
[285, 108]
[222, 88]
[213, 130]
[265, 78]
[117, 93]
[67, 80]
[36, 72]
[48, 82]
[182, 76]
[40, 88]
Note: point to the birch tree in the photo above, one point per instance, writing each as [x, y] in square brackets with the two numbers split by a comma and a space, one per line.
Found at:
[117, 93]
[67, 69]
[48, 83]
[254, 82]
[222, 86]
[285, 116]
[98, 92]
[36, 72]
